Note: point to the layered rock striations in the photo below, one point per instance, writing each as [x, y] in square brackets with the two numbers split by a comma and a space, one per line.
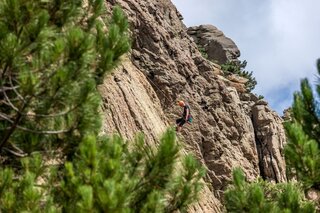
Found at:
[270, 140]
[231, 128]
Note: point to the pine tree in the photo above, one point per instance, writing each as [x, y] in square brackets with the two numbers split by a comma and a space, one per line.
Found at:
[135, 179]
[302, 151]
[106, 176]
[52, 55]
[261, 196]
[238, 68]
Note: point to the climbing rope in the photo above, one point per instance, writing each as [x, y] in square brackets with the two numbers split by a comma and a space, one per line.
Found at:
[165, 96]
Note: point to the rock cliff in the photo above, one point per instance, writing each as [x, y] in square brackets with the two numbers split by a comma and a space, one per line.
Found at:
[231, 128]
[218, 47]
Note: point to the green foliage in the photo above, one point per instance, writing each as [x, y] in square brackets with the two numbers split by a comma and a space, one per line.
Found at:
[52, 55]
[302, 156]
[203, 52]
[138, 179]
[302, 151]
[21, 192]
[111, 47]
[106, 176]
[304, 110]
[233, 67]
[266, 197]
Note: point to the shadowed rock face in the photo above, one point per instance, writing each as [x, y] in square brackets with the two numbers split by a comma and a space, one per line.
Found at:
[230, 128]
[218, 47]
[270, 139]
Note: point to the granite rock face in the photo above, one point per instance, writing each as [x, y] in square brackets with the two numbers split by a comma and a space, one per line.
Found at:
[218, 47]
[270, 140]
[164, 66]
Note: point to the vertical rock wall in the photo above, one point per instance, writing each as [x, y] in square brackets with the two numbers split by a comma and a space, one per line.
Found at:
[165, 66]
[270, 139]
[130, 104]
[268, 129]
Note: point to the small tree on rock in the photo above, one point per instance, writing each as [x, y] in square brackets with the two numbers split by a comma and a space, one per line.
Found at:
[236, 67]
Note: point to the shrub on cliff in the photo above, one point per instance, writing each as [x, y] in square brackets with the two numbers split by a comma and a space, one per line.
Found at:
[261, 196]
[233, 67]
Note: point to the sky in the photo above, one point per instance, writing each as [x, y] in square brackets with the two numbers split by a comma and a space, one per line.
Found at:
[280, 39]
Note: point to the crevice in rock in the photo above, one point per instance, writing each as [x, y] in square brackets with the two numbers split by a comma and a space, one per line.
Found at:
[273, 169]
[272, 166]
[151, 75]
[260, 149]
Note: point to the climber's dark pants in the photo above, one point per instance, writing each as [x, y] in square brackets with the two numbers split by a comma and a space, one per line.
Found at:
[180, 122]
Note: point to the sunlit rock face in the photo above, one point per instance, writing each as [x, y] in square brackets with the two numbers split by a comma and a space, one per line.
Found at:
[231, 128]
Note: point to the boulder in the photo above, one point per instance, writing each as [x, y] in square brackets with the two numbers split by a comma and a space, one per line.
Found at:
[217, 46]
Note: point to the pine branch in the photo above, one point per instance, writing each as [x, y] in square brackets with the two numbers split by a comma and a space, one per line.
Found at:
[21, 155]
[4, 88]
[11, 130]
[9, 103]
[15, 91]
[41, 115]
[34, 131]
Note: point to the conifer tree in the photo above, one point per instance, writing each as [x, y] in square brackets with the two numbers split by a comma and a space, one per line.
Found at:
[52, 55]
[237, 67]
[136, 179]
[261, 196]
[302, 151]
[106, 176]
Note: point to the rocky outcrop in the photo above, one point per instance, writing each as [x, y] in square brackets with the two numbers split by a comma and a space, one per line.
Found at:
[218, 47]
[270, 139]
[232, 81]
[165, 66]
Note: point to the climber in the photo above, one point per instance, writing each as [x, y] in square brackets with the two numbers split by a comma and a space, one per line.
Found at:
[186, 116]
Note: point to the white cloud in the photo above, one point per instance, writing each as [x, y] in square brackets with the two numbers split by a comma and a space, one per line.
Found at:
[280, 39]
